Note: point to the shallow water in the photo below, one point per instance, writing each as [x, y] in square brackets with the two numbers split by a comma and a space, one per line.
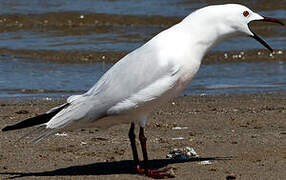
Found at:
[21, 78]
[105, 25]
[31, 26]
[138, 7]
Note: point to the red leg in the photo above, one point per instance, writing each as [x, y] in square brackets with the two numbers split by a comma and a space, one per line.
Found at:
[157, 174]
[143, 140]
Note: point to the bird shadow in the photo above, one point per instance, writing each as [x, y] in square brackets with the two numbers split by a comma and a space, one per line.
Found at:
[105, 168]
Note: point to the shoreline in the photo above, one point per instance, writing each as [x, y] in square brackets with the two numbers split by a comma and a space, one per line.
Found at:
[242, 135]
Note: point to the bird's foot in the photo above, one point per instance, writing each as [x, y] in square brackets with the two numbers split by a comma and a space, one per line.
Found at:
[157, 174]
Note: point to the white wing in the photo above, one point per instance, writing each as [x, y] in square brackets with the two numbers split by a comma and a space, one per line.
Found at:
[140, 76]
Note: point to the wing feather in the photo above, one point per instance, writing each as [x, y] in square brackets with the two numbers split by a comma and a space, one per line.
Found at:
[132, 78]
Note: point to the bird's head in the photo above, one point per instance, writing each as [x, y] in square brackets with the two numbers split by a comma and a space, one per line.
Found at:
[233, 19]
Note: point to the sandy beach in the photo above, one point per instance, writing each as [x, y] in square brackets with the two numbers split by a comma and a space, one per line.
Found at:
[242, 136]
[52, 49]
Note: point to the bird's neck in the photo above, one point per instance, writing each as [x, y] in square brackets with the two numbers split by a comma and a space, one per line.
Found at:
[203, 35]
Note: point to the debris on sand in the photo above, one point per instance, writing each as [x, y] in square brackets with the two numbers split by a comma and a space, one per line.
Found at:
[186, 153]
[179, 128]
[206, 162]
[182, 153]
[83, 143]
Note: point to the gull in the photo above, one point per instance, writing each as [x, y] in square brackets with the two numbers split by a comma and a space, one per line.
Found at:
[148, 77]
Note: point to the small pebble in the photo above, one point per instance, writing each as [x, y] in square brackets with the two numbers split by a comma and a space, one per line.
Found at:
[230, 177]
[61, 134]
[178, 138]
[172, 173]
[179, 128]
[22, 112]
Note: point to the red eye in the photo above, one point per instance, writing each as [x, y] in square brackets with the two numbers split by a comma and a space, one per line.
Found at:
[245, 13]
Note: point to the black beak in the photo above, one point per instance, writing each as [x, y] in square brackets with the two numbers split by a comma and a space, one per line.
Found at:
[259, 39]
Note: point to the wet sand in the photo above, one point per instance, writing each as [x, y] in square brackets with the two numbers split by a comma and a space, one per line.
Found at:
[242, 136]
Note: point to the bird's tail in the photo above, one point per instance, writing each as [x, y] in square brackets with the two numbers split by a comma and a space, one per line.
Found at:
[36, 121]
[39, 133]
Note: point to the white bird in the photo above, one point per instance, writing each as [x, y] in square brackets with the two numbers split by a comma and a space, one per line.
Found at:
[149, 77]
